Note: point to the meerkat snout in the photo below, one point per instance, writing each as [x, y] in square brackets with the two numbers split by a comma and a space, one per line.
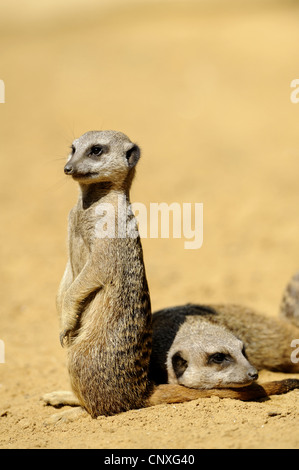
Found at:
[68, 169]
[253, 373]
[204, 355]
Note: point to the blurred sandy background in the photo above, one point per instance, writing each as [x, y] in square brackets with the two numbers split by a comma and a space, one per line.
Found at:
[204, 88]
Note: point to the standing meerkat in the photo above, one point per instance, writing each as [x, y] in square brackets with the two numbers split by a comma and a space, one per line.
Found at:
[103, 299]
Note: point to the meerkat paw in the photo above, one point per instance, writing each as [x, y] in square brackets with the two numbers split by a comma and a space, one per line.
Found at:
[60, 398]
[64, 337]
[66, 416]
[68, 326]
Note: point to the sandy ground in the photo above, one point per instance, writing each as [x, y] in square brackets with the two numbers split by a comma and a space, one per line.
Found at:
[204, 88]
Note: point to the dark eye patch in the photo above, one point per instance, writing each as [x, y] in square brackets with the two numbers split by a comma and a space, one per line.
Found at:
[244, 352]
[96, 150]
[73, 149]
[179, 364]
[219, 358]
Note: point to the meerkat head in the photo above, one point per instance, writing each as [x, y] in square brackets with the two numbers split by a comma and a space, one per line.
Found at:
[102, 156]
[204, 355]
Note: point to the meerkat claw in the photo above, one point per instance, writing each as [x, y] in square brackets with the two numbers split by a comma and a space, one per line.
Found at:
[64, 338]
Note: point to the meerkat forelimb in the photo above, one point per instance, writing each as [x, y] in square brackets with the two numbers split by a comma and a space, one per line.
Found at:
[173, 393]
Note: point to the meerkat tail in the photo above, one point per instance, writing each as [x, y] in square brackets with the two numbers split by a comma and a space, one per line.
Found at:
[279, 387]
[173, 393]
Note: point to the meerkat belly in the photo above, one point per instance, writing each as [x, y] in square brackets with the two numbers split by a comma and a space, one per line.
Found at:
[110, 356]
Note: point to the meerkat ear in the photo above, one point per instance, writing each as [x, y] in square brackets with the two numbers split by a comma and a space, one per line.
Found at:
[133, 155]
[179, 364]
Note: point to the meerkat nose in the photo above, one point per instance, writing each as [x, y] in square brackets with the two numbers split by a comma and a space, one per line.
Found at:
[68, 169]
[253, 374]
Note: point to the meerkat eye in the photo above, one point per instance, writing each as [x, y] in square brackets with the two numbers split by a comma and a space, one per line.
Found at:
[96, 150]
[73, 149]
[218, 358]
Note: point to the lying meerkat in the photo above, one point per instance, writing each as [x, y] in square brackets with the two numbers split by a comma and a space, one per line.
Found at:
[103, 299]
[186, 339]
